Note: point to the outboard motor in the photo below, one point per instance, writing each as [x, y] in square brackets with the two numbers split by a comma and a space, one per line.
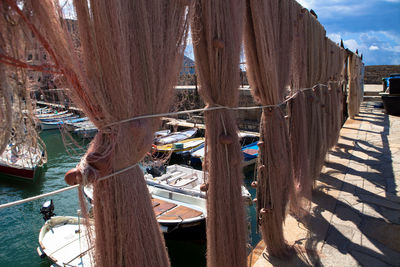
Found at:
[47, 210]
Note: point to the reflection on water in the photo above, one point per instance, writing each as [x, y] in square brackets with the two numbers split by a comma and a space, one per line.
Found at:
[20, 225]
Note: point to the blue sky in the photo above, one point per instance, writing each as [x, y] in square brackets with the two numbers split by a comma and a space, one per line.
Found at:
[371, 26]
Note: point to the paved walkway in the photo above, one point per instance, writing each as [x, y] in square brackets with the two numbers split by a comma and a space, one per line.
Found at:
[355, 216]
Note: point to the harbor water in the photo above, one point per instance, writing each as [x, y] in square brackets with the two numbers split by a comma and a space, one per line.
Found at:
[20, 225]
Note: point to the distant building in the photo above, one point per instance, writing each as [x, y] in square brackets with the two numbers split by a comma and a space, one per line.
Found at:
[37, 55]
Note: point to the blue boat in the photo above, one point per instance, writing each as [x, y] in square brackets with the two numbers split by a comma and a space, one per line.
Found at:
[250, 154]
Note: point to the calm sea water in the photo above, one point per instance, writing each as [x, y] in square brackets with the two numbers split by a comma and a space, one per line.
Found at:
[20, 225]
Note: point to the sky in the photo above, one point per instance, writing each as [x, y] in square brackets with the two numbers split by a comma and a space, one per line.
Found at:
[371, 26]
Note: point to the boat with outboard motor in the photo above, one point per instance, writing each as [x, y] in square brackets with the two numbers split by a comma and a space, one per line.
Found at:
[64, 239]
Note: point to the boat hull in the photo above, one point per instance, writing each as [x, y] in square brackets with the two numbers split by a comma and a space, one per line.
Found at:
[391, 102]
[63, 239]
[20, 174]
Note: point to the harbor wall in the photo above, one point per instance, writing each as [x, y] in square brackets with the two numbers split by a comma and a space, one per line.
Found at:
[375, 73]
[187, 98]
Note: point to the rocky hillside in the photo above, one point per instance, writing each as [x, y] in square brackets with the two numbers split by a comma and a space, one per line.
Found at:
[375, 73]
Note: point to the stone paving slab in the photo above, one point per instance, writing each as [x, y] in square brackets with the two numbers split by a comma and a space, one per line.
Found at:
[355, 212]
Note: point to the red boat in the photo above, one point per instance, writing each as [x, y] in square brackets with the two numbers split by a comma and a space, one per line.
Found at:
[21, 163]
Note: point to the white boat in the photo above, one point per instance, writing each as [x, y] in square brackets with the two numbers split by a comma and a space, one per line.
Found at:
[63, 239]
[176, 137]
[59, 123]
[161, 133]
[178, 202]
[179, 179]
[21, 162]
[71, 126]
[50, 115]
[173, 210]
[181, 146]
[65, 116]
[88, 132]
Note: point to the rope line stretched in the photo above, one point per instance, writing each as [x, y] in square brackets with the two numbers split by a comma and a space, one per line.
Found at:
[218, 107]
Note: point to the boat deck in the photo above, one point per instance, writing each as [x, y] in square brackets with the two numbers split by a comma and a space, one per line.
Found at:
[170, 211]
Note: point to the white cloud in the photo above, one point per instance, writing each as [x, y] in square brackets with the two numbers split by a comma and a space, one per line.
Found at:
[352, 44]
[337, 8]
[395, 49]
[373, 47]
[335, 37]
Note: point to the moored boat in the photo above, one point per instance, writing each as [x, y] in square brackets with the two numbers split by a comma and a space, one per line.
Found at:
[88, 132]
[162, 133]
[63, 239]
[180, 179]
[180, 146]
[173, 210]
[59, 123]
[250, 154]
[21, 163]
[249, 149]
[49, 115]
[66, 116]
[176, 137]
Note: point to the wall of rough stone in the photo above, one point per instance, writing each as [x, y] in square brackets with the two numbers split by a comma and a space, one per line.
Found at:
[375, 73]
[187, 98]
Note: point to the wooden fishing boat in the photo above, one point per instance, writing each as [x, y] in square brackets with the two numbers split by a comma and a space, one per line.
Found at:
[173, 210]
[180, 180]
[63, 239]
[50, 115]
[71, 126]
[161, 133]
[180, 146]
[250, 154]
[85, 132]
[60, 117]
[59, 123]
[21, 163]
[176, 137]
[249, 148]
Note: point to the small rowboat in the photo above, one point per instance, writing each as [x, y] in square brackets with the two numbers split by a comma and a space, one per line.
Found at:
[63, 239]
[66, 116]
[249, 149]
[50, 115]
[21, 163]
[183, 181]
[250, 153]
[161, 133]
[57, 124]
[180, 146]
[173, 210]
[175, 137]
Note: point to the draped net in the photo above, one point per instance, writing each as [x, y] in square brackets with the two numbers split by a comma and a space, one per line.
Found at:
[217, 32]
[127, 66]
